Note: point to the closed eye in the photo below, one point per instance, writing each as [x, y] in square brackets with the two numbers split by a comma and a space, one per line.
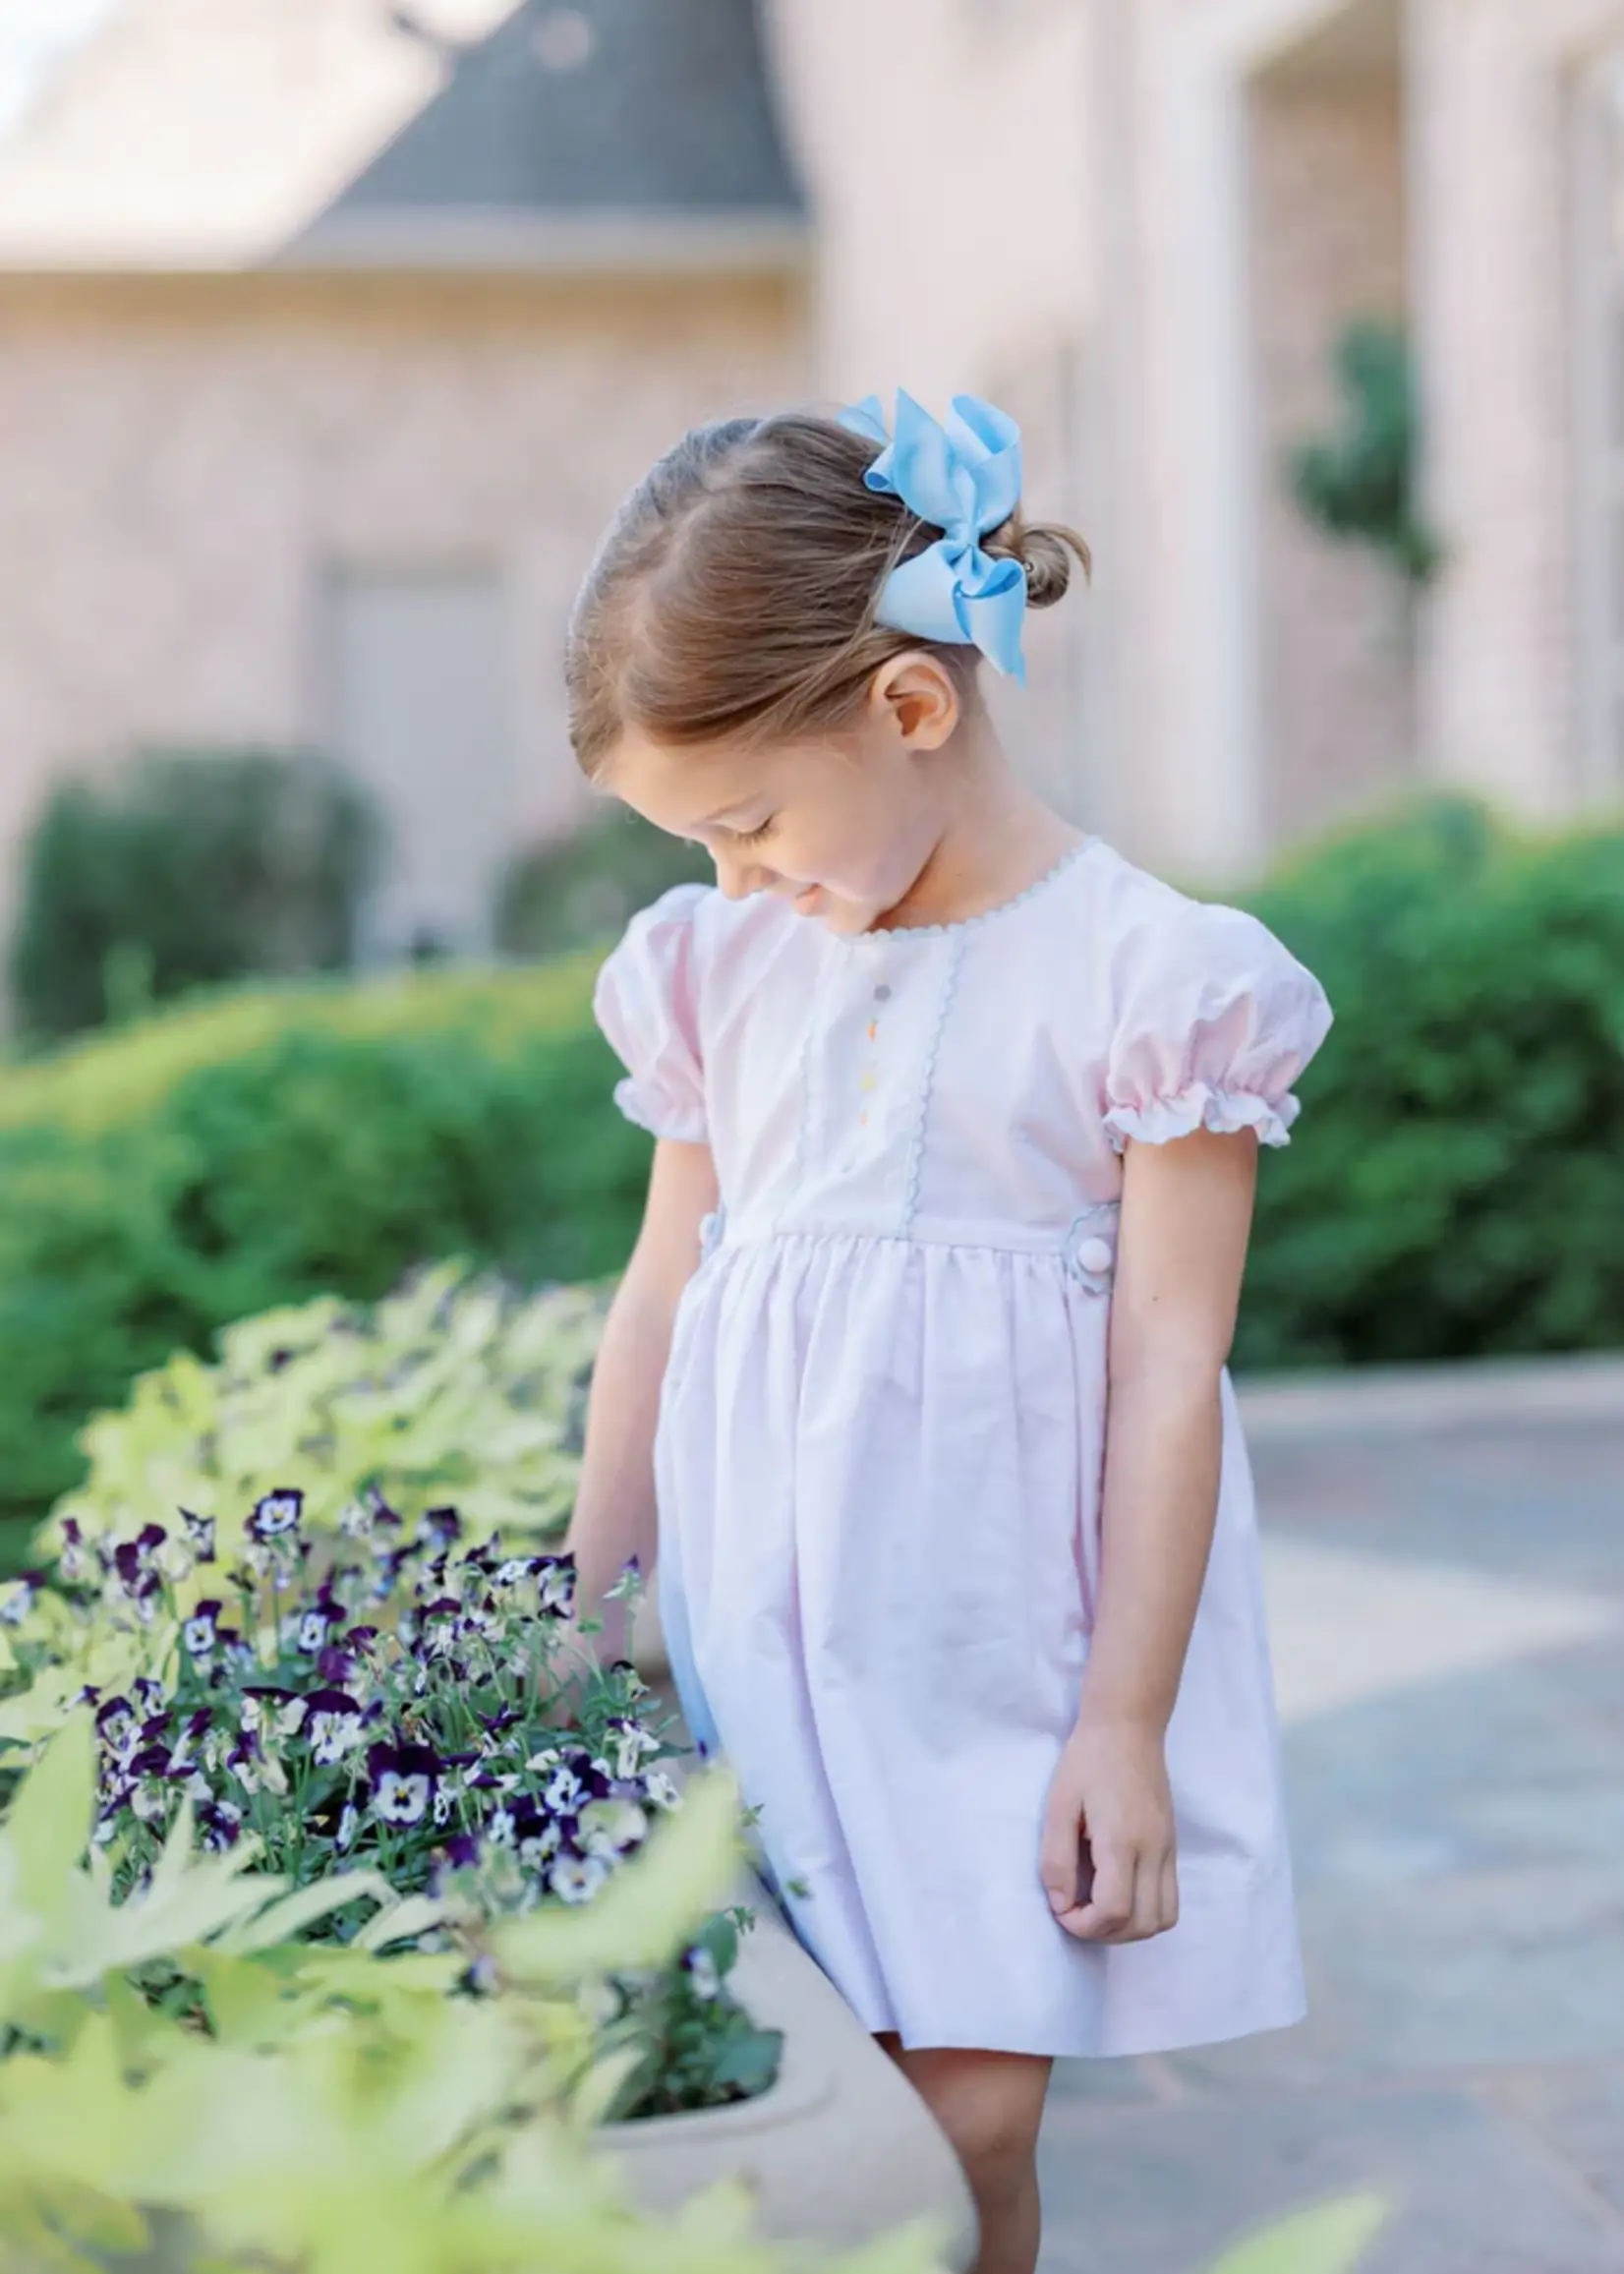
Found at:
[757, 835]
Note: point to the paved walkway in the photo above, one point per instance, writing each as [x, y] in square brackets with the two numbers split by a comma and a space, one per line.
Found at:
[1447, 1586]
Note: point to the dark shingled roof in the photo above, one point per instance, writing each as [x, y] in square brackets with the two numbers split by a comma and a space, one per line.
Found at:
[604, 107]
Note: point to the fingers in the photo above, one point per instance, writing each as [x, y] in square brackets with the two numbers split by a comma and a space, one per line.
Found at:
[1060, 1860]
[1135, 1896]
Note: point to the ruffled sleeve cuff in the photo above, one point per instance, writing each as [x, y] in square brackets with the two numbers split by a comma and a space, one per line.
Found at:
[1161, 1118]
[647, 1003]
[1216, 1021]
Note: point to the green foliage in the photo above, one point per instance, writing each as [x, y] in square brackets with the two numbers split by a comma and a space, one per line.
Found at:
[385, 1715]
[452, 1389]
[115, 1080]
[1450, 1193]
[584, 888]
[338, 2109]
[1453, 1189]
[323, 1163]
[1331, 2239]
[1363, 486]
[186, 871]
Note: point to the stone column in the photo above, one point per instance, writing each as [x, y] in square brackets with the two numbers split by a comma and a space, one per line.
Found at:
[1491, 171]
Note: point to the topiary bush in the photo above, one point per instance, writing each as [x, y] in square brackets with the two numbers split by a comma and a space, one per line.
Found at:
[183, 870]
[1455, 1189]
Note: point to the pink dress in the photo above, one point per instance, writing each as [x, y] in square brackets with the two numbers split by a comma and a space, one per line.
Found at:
[880, 1448]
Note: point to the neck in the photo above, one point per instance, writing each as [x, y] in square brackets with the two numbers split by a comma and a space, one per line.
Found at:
[997, 837]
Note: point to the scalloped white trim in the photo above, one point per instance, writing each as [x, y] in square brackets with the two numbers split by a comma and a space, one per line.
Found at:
[680, 1124]
[1200, 1106]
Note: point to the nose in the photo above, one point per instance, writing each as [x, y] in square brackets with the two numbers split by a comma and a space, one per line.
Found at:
[738, 880]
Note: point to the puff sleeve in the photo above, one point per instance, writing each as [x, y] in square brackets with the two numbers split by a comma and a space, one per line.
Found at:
[1215, 1020]
[647, 1003]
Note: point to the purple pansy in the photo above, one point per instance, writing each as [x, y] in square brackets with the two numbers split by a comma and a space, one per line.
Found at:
[440, 1525]
[117, 1725]
[72, 1562]
[576, 1879]
[316, 1622]
[334, 1725]
[201, 1631]
[555, 1584]
[220, 1825]
[199, 1533]
[16, 1600]
[278, 1516]
[438, 1630]
[403, 1780]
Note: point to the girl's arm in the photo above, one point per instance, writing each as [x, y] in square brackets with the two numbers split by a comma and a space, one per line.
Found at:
[614, 1508]
[1185, 1219]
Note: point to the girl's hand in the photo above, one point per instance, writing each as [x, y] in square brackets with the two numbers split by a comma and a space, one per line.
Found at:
[1109, 1845]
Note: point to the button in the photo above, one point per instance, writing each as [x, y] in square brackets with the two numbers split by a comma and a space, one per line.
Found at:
[881, 993]
[1094, 1255]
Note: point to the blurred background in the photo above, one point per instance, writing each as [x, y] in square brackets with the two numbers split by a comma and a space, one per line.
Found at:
[331, 332]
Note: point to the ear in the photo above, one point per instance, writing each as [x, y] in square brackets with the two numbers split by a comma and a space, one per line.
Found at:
[917, 699]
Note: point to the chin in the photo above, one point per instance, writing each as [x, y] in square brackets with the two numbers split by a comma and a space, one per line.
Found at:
[846, 918]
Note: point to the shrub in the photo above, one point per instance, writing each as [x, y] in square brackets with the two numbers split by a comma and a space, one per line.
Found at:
[324, 1163]
[183, 871]
[1454, 1189]
[107, 1081]
[1452, 1192]
[583, 889]
[1362, 488]
[453, 1389]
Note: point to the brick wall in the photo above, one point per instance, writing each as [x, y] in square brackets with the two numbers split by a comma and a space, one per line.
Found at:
[1336, 711]
[184, 459]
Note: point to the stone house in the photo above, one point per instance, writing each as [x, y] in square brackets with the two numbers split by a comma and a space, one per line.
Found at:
[1150, 220]
[329, 333]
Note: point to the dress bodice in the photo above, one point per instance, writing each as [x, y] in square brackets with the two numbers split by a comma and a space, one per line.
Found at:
[969, 1083]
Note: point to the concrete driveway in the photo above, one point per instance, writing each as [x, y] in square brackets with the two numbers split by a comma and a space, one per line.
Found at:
[1446, 1574]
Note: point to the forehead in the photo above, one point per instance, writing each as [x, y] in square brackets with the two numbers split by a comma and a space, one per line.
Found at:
[682, 790]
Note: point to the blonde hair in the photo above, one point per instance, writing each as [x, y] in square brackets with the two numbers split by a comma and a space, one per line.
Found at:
[735, 592]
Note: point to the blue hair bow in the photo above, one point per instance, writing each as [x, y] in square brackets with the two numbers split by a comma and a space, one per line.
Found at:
[964, 478]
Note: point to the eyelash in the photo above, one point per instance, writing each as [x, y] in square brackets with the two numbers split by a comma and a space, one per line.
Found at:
[758, 835]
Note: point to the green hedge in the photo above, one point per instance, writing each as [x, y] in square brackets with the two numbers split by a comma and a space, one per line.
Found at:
[1456, 1187]
[369, 1134]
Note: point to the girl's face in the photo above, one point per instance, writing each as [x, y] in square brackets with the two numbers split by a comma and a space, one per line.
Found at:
[842, 827]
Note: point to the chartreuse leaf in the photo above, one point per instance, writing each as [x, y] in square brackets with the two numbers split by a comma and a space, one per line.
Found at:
[400, 1922]
[49, 1824]
[42, 1708]
[281, 1921]
[642, 1917]
[1331, 2239]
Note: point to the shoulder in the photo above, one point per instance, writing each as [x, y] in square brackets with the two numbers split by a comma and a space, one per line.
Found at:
[1153, 934]
[690, 940]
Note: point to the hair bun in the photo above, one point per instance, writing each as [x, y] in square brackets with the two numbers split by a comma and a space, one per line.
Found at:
[1046, 550]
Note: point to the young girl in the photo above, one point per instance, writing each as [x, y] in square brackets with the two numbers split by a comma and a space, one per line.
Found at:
[921, 1354]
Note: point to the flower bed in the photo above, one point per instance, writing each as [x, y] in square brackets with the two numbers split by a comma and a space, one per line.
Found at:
[452, 1388]
[391, 1700]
